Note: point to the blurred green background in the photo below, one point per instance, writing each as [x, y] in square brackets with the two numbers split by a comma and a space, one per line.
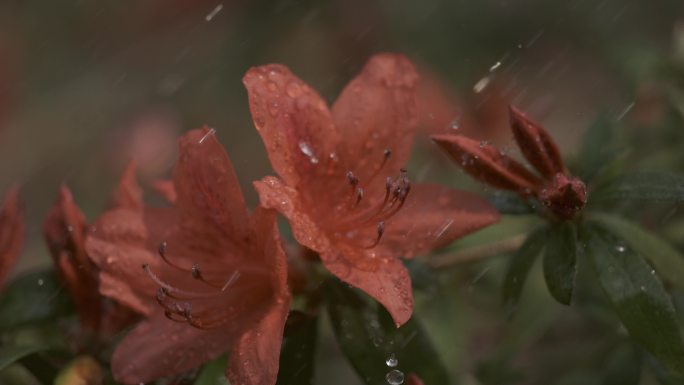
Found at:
[87, 85]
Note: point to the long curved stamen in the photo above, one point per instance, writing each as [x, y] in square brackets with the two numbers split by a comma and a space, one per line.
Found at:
[170, 289]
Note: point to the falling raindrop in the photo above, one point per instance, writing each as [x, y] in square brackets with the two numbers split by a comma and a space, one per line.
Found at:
[392, 361]
[620, 248]
[214, 12]
[394, 377]
[40, 282]
[481, 84]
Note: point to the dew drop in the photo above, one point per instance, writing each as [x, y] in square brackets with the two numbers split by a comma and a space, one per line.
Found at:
[455, 124]
[392, 361]
[293, 89]
[306, 150]
[394, 377]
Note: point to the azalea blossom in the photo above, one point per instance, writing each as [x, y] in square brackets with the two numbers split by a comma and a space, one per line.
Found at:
[564, 194]
[12, 231]
[64, 229]
[341, 182]
[209, 276]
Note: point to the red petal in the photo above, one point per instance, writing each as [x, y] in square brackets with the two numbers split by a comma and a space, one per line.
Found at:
[434, 216]
[209, 195]
[536, 144]
[254, 359]
[377, 111]
[270, 249]
[382, 277]
[160, 348]
[413, 379]
[12, 231]
[166, 189]
[273, 193]
[486, 164]
[293, 120]
[121, 242]
[64, 230]
[128, 194]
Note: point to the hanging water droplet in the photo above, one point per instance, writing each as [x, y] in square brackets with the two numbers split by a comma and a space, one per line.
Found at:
[394, 377]
[306, 150]
[392, 361]
[620, 248]
[653, 272]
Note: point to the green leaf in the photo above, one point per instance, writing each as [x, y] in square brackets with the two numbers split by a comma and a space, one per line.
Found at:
[638, 296]
[560, 257]
[520, 265]
[299, 347]
[667, 260]
[213, 373]
[643, 186]
[596, 150]
[33, 297]
[368, 337]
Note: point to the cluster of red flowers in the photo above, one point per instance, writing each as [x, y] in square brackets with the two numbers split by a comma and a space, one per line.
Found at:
[207, 276]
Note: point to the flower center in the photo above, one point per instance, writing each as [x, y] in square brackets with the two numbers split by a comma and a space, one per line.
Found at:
[178, 302]
[361, 217]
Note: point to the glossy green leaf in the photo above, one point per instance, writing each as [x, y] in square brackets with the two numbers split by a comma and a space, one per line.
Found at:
[560, 261]
[638, 296]
[33, 297]
[520, 265]
[643, 186]
[213, 373]
[667, 260]
[299, 347]
[368, 337]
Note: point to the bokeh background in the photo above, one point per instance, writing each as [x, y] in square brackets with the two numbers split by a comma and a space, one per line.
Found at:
[87, 85]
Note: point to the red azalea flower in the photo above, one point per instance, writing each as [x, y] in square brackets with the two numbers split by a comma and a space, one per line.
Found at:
[12, 230]
[564, 194]
[341, 184]
[214, 276]
[65, 233]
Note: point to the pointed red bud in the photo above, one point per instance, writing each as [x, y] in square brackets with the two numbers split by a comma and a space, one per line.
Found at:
[536, 144]
[486, 164]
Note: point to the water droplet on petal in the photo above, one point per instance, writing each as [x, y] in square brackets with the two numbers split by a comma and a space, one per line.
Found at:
[306, 150]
